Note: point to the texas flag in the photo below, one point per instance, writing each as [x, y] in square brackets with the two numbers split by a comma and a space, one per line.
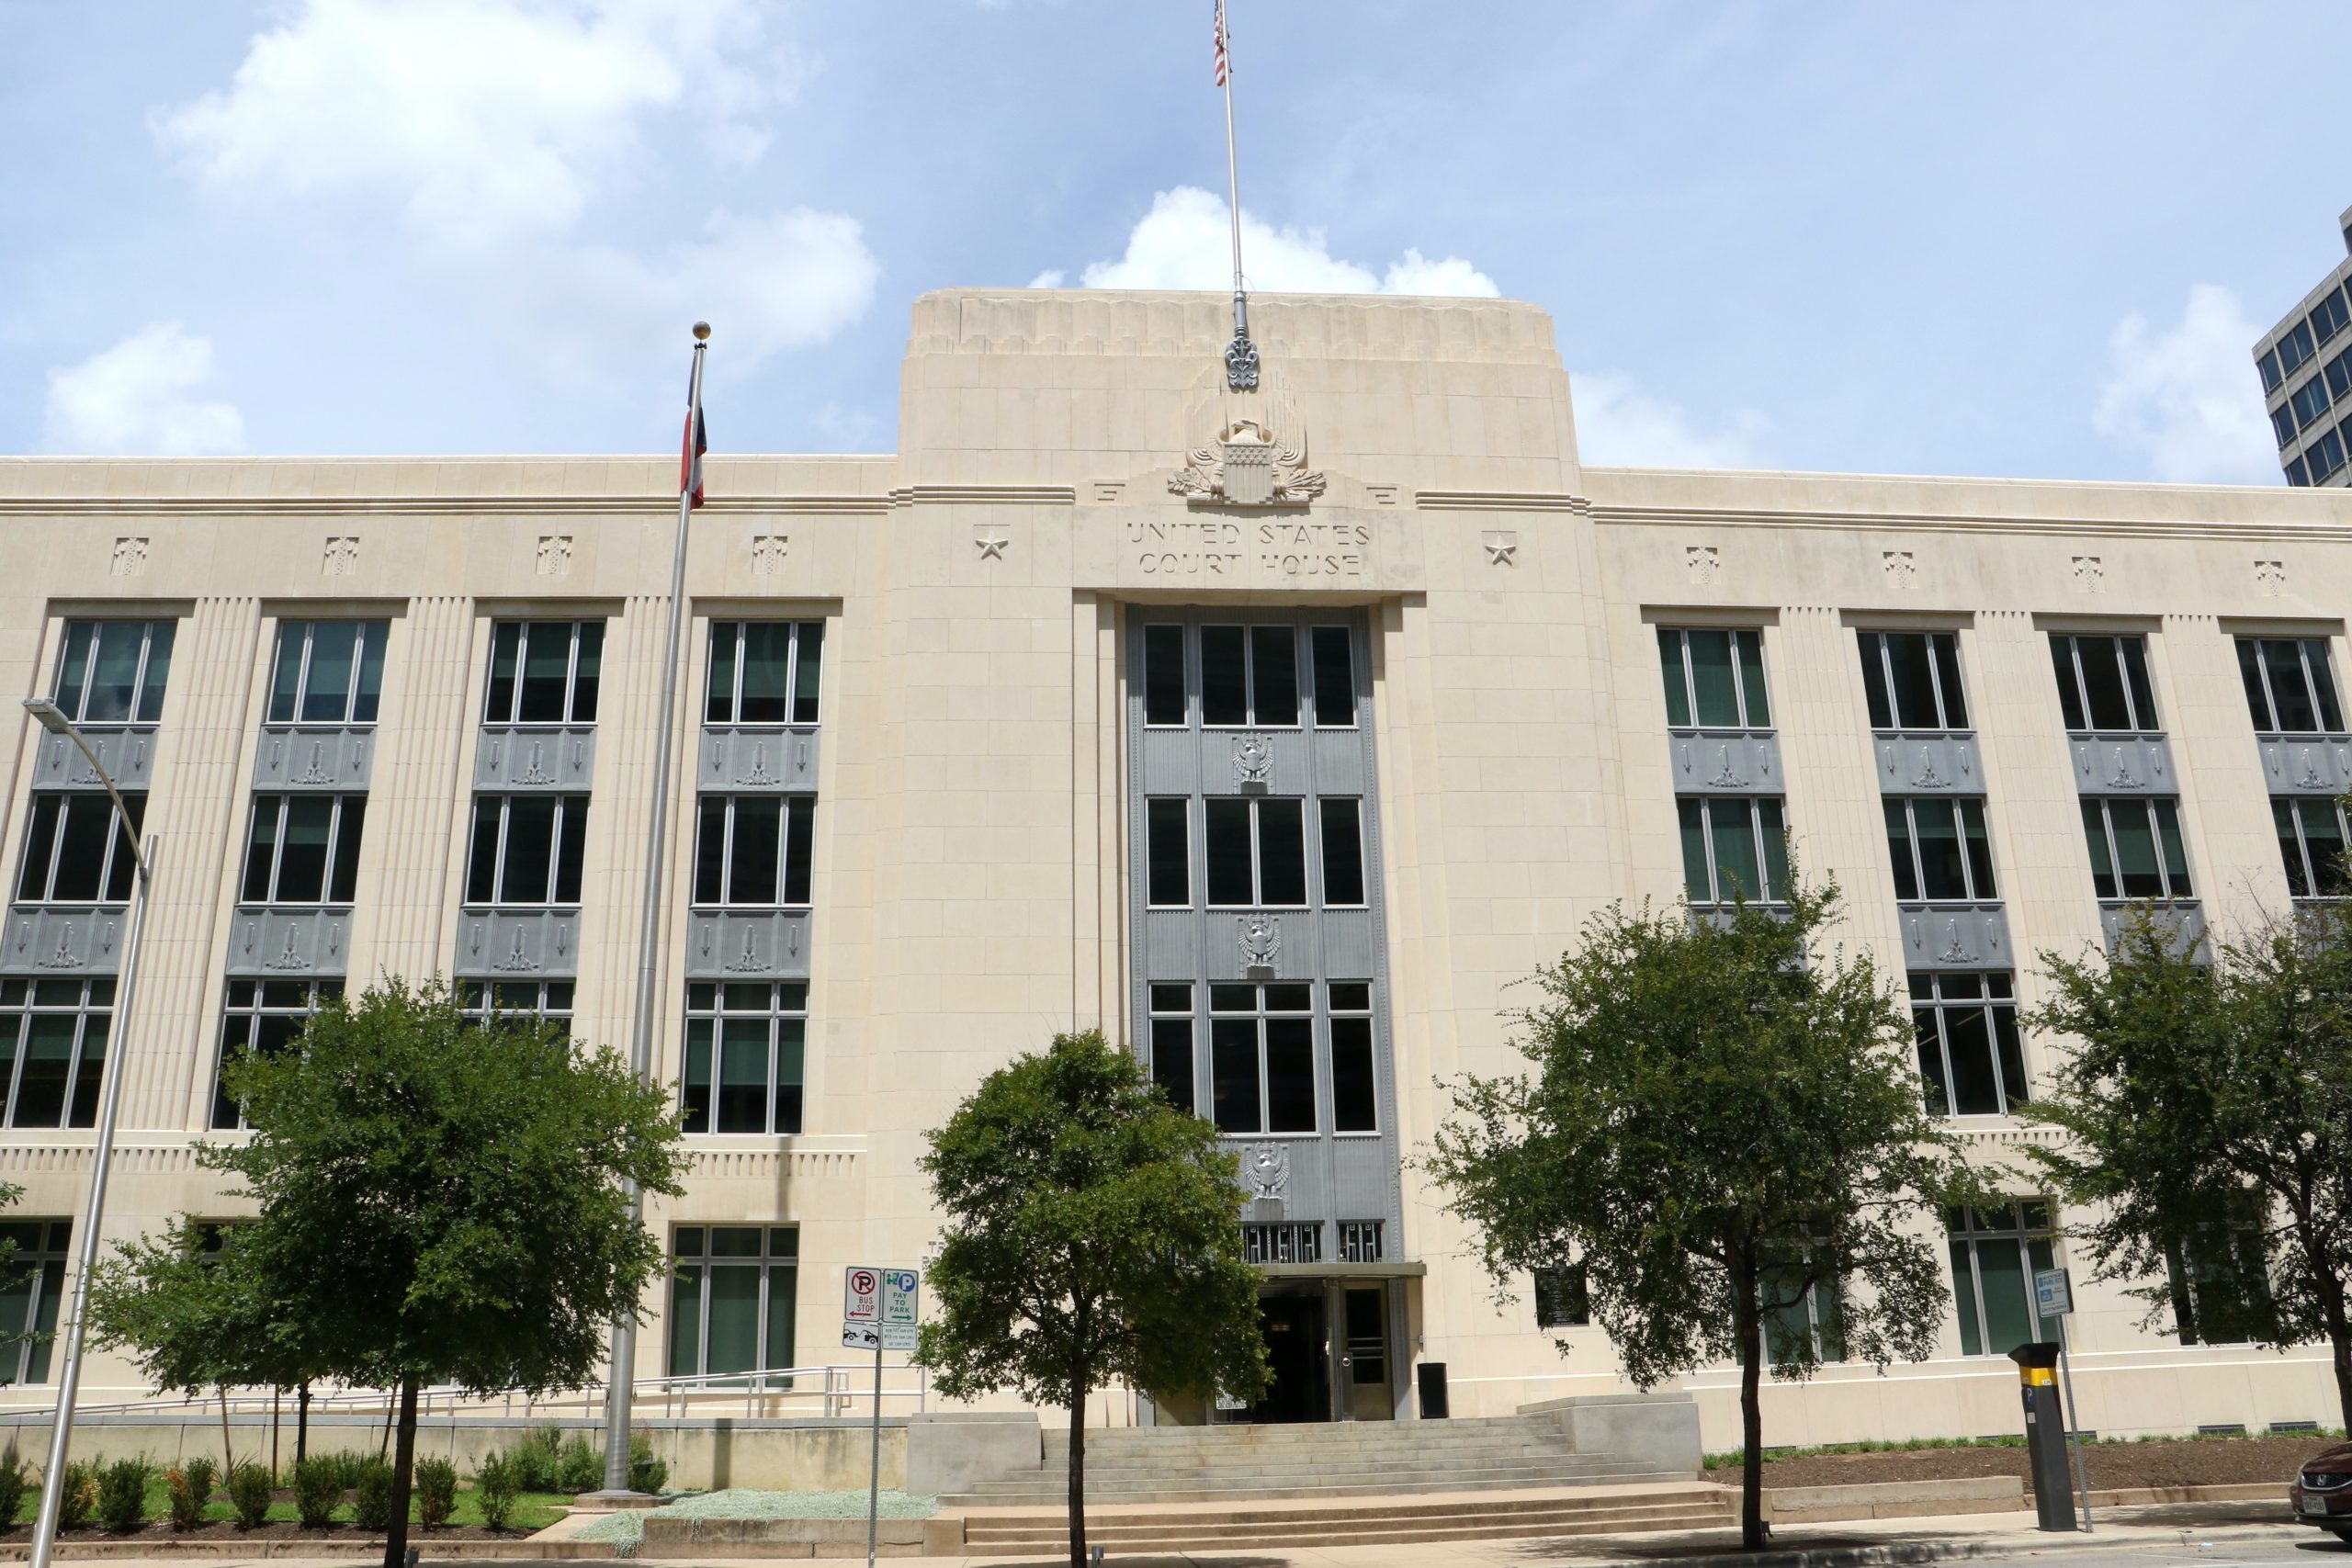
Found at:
[696, 442]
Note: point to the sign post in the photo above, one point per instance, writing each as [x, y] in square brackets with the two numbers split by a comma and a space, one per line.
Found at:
[2053, 1298]
[878, 1310]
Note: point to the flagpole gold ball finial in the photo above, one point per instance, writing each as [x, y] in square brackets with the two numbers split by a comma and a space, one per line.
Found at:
[702, 332]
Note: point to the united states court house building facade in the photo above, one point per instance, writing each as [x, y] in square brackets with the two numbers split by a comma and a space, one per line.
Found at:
[1276, 732]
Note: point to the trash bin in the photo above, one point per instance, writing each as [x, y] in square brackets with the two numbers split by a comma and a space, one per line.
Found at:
[2045, 1434]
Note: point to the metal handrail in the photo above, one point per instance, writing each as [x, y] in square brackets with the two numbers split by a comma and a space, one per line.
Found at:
[834, 1391]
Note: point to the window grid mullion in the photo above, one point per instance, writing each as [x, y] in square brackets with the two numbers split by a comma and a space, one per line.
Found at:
[139, 671]
[742, 658]
[555, 848]
[1707, 849]
[57, 850]
[1993, 1051]
[334, 843]
[2270, 696]
[498, 860]
[2311, 687]
[17, 1067]
[1918, 861]
[303, 674]
[727, 853]
[1936, 681]
[1256, 878]
[1265, 1077]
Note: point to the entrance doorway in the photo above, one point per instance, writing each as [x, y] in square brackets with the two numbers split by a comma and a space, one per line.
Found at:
[1297, 1349]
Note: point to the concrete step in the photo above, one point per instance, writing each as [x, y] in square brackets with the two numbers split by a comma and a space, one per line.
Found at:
[1493, 1504]
[1293, 1465]
[1390, 1484]
[1314, 1434]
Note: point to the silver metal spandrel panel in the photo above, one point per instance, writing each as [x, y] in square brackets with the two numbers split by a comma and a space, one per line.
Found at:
[267, 944]
[495, 944]
[748, 944]
[754, 759]
[1916, 764]
[523, 757]
[2307, 765]
[2123, 764]
[291, 757]
[1714, 763]
[64, 939]
[1955, 936]
[127, 754]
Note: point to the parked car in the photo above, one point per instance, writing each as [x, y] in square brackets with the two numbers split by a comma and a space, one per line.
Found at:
[2321, 1493]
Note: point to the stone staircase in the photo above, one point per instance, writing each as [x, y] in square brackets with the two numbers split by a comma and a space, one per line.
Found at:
[1392, 1520]
[1237, 1465]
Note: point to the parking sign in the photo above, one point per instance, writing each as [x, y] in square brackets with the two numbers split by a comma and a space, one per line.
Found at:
[862, 1295]
[2052, 1294]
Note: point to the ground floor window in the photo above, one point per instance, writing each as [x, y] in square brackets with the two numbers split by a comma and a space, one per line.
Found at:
[732, 1293]
[32, 1281]
[261, 1015]
[1995, 1255]
[2219, 1277]
[53, 1050]
[1970, 1054]
[746, 1046]
[1799, 1312]
[2310, 841]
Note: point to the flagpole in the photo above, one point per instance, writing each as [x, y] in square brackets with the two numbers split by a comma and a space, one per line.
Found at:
[620, 1386]
[1240, 354]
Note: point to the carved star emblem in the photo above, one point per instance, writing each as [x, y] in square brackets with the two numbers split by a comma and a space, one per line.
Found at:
[1502, 554]
[992, 548]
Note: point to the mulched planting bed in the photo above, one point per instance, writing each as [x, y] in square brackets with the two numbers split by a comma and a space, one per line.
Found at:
[2213, 1461]
[226, 1529]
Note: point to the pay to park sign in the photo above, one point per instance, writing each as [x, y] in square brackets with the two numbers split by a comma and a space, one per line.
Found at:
[878, 1307]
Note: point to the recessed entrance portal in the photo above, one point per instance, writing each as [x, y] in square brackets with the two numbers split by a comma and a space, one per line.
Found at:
[1299, 1349]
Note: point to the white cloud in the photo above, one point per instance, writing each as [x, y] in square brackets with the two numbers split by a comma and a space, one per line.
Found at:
[1186, 242]
[1620, 426]
[140, 398]
[491, 129]
[2187, 398]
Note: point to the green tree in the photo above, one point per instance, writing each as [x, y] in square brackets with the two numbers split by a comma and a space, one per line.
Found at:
[195, 1317]
[1093, 1236]
[436, 1204]
[1720, 1122]
[2208, 1114]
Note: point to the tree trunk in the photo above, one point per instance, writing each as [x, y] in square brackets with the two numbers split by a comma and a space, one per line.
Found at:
[1078, 1476]
[301, 1420]
[403, 1462]
[274, 1394]
[2331, 1310]
[228, 1460]
[1751, 1408]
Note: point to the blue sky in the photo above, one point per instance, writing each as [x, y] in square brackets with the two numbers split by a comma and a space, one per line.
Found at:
[2005, 239]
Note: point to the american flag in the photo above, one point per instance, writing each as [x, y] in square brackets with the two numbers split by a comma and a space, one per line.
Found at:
[1220, 43]
[696, 442]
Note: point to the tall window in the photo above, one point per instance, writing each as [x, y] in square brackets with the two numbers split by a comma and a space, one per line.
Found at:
[328, 671]
[1171, 1040]
[527, 849]
[1258, 675]
[752, 850]
[2219, 1278]
[1355, 1101]
[1715, 680]
[54, 1052]
[32, 1284]
[1939, 847]
[1809, 1311]
[266, 1016]
[2289, 687]
[1261, 1057]
[2136, 849]
[528, 1002]
[1256, 851]
[2103, 682]
[76, 850]
[544, 672]
[765, 671]
[1342, 845]
[1912, 680]
[2311, 836]
[1970, 1055]
[731, 1289]
[1168, 852]
[115, 671]
[304, 849]
[746, 1044]
[1995, 1255]
[1733, 847]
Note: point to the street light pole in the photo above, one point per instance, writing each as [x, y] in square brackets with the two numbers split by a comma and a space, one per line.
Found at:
[619, 1384]
[69, 1380]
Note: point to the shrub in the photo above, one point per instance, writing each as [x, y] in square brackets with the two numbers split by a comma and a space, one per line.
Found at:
[371, 1500]
[437, 1490]
[346, 1467]
[497, 1482]
[318, 1487]
[203, 1476]
[539, 1460]
[647, 1472]
[78, 1497]
[16, 1480]
[122, 1495]
[580, 1467]
[249, 1489]
[185, 1508]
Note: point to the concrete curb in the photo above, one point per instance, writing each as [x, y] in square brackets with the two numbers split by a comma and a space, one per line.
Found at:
[1913, 1551]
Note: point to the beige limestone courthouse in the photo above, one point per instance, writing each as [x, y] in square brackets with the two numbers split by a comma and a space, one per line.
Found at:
[1276, 732]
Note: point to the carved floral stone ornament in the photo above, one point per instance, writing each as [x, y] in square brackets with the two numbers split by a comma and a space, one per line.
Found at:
[1248, 466]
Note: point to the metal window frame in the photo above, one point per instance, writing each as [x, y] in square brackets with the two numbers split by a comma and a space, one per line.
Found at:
[2140, 724]
[2295, 805]
[1766, 894]
[1312, 854]
[349, 720]
[498, 899]
[1960, 804]
[1939, 1007]
[89, 665]
[277, 852]
[33, 1261]
[116, 835]
[735, 696]
[1187, 801]
[522, 662]
[1970, 1237]
[788, 806]
[1739, 676]
[2311, 687]
[1369, 1012]
[1310, 715]
[1318, 1016]
[775, 1014]
[250, 1017]
[1942, 724]
[82, 1009]
[1321, 888]
[767, 1263]
[487, 1010]
[2165, 871]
